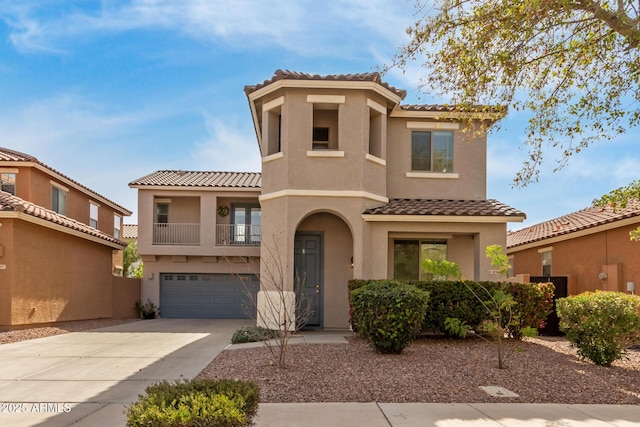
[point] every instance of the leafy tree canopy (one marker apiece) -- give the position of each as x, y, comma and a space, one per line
573, 64
620, 198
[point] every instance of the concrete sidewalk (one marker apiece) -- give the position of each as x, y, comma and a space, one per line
445, 415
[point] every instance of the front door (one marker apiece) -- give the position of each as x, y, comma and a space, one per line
308, 266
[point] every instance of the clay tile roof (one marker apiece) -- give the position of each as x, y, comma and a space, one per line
453, 108
173, 178
8, 155
129, 231
581, 220
488, 207
296, 75
9, 202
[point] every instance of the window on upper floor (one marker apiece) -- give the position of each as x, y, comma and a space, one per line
432, 151
325, 121
117, 224
320, 138
408, 256
93, 215
162, 213
8, 182
59, 200
246, 223
273, 128
375, 133
546, 257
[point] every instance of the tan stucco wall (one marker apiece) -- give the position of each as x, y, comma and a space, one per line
57, 277
466, 244
125, 293
7, 273
469, 162
586, 257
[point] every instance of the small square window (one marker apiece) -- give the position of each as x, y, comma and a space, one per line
58, 200
432, 151
320, 138
8, 183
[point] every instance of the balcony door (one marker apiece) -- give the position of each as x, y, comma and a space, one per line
246, 223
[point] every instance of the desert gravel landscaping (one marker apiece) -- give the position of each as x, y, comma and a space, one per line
17, 335
540, 370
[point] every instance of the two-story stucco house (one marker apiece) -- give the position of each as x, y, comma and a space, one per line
353, 185
60, 245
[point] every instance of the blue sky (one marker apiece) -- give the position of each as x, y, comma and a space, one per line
109, 91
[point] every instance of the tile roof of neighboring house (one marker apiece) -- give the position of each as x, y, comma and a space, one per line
9, 155
488, 207
581, 220
129, 231
11, 203
296, 75
173, 178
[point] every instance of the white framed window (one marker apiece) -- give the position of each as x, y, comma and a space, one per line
93, 215
59, 199
326, 112
117, 226
8, 182
432, 151
546, 260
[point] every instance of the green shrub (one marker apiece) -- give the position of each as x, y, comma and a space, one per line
455, 327
252, 334
389, 314
532, 304
203, 402
601, 324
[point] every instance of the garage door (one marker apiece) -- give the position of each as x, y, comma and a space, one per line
208, 296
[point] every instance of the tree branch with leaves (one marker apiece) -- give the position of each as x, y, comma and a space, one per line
573, 64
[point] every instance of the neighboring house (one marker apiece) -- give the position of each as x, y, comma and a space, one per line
590, 247
353, 185
130, 232
59, 245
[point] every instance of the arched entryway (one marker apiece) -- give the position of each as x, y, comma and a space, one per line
323, 253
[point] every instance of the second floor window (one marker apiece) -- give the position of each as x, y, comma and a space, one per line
93, 215
58, 200
116, 226
8, 182
246, 221
432, 151
162, 213
546, 263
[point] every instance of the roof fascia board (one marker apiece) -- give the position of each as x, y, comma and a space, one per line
89, 193
57, 227
323, 193
575, 234
440, 218
445, 115
326, 84
193, 188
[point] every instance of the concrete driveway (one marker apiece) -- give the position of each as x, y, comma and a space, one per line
86, 378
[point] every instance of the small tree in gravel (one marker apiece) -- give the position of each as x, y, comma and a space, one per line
284, 312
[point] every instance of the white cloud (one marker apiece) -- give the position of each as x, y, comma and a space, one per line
336, 28
228, 147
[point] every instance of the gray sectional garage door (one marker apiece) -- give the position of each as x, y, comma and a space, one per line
208, 296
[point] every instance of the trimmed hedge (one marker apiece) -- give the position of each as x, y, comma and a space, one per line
456, 300
601, 325
202, 402
388, 314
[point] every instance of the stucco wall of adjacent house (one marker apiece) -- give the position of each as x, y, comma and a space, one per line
57, 277
7, 272
586, 257
469, 162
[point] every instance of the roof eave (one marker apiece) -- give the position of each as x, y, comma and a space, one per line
442, 218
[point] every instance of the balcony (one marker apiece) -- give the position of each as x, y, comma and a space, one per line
176, 234
237, 235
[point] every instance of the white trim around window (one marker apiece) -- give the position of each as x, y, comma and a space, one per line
326, 99
432, 175
325, 153
433, 125
272, 157
374, 159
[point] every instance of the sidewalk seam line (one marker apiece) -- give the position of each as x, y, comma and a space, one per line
384, 415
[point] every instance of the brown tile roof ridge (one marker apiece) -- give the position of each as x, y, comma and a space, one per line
454, 108
445, 207
590, 217
11, 203
7, 154
181, 178
279, 74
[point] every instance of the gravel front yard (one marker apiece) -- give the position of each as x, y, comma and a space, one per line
540, 370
